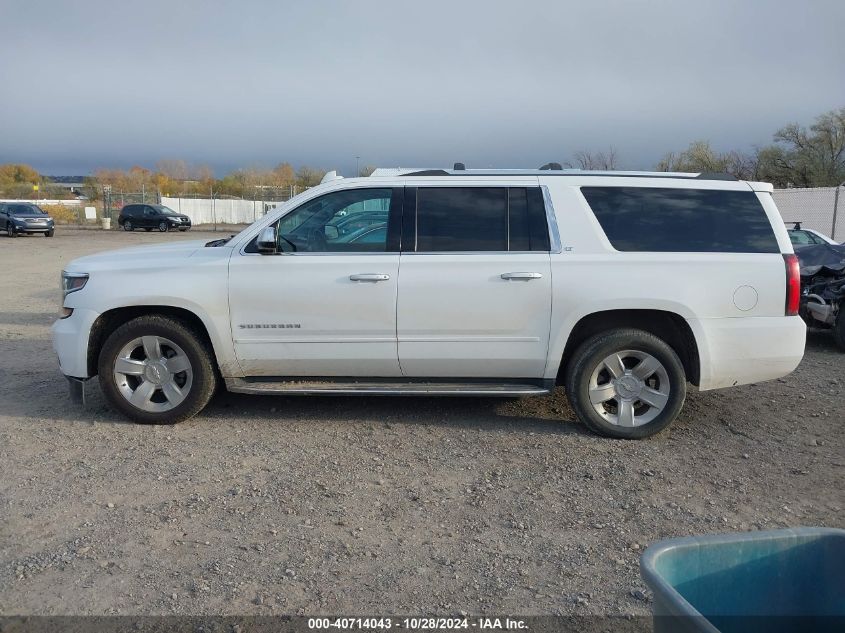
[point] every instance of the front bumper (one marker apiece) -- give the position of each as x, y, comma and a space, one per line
70, 341
33, 228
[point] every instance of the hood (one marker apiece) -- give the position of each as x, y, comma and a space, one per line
149, 255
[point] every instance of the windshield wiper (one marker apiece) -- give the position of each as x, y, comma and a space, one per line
219, 242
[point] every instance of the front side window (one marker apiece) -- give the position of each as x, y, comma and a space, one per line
657, 219
354, 220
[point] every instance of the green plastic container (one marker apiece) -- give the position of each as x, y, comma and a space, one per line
781, 581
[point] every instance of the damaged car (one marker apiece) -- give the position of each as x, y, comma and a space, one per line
823, 288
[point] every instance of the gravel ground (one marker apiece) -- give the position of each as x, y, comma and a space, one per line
269, 505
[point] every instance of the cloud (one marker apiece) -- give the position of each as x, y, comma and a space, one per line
95, 83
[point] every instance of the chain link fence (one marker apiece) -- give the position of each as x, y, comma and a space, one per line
212, 209
819, 208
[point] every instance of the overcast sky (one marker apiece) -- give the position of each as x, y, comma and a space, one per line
95, 83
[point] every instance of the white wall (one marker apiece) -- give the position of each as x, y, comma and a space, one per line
223, 211
67, 203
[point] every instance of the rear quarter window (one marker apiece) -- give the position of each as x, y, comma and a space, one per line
682, 220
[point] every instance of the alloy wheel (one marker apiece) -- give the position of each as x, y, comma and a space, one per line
629, 388
153, 373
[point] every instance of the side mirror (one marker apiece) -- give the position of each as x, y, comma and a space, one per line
266, 242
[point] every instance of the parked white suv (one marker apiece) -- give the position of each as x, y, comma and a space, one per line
621, 286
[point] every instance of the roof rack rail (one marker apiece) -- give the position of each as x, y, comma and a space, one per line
714, 175
459, 167
556, 166
428, 172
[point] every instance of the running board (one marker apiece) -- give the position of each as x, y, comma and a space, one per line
346, 386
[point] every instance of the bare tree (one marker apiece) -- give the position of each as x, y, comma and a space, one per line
603, 161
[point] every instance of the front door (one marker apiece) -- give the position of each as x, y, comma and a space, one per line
475, 283
150, 218
326, 304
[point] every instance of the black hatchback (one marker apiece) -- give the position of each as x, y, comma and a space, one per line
152, 216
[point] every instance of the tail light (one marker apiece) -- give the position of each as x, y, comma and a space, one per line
793, 284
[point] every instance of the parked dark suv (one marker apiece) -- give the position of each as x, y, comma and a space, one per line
152, 216
18, 218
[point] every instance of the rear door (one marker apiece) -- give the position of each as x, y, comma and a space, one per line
475, 281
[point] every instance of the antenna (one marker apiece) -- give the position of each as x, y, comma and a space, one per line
459, 167
556, 166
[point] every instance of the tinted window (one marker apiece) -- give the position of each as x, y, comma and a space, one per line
528, 228
344, 221
682, 220
462, 219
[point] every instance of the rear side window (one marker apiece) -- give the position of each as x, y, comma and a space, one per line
479, 219
682, 220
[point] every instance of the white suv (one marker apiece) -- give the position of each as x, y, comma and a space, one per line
621, 286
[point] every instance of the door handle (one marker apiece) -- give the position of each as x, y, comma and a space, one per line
369, 277
522, 276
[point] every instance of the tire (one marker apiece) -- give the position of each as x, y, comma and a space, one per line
127, 226
153, 385
622, 414
163, 227
839, 326
10, 230
50, 233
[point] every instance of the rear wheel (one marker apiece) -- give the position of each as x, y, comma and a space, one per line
626, 383
127, 226
156, 370
163, 227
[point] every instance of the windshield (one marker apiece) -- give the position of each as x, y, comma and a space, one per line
166, 211
25, 209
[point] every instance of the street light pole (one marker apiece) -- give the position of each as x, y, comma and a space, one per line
357, 168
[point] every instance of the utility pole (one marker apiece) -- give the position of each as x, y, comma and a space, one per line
835, 209
357, 168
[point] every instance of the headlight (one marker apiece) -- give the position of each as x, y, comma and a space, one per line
71, 282
176, 220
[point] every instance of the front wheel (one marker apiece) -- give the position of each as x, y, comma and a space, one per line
163, 227
156, 370
839, 327
49, 233
10, 229
626, 383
